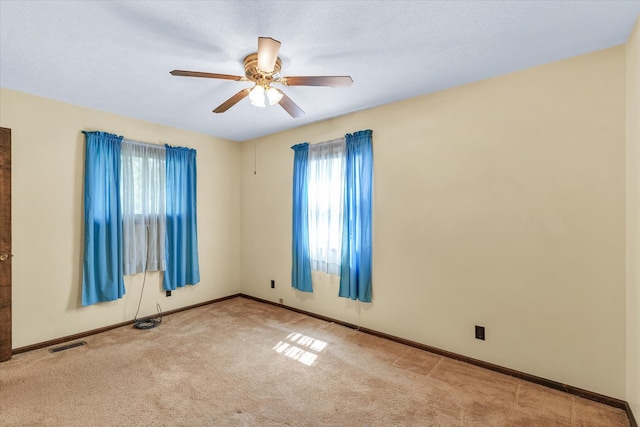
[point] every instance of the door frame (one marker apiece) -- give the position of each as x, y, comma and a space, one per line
5, 244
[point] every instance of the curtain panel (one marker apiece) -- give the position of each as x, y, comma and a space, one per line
300, 261
102, 264
182, 235
355, 275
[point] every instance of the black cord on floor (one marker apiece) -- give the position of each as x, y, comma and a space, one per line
149, 322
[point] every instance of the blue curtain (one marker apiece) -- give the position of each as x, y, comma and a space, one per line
102, 266
301, 263
182, 236
355, 274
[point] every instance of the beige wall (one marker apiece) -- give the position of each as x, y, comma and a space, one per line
47, 176
499, 203
633, 220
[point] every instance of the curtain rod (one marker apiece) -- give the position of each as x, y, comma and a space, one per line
331, 141
146, 144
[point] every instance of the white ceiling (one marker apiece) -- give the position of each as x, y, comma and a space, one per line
116, 56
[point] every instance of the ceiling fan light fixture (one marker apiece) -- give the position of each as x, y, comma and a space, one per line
274, 96
257, 96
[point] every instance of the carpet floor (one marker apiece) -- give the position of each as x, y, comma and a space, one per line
240, 362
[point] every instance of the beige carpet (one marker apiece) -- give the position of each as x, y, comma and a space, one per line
245, 363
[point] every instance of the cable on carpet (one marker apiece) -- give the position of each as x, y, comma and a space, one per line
149, 322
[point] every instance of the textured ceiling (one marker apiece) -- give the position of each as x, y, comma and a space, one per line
116, 56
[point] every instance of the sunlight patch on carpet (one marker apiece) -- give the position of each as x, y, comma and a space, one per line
291, 348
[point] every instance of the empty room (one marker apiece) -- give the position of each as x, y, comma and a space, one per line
332, 213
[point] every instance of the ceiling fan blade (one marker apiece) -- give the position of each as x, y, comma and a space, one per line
290, 106
331, 81
268, 49
232, 101
206, 75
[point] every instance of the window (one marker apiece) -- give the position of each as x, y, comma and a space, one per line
143, 189
143, 206
326, 178
332, 212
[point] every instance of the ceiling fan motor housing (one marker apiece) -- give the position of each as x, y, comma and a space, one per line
253, 73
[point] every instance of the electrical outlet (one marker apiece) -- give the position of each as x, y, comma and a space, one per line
168, 293
281, 301
273, 284
480, 332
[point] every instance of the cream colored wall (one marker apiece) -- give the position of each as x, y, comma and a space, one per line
47, 193
633, 219
499, 203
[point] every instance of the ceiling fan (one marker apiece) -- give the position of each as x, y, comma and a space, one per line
263, 68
